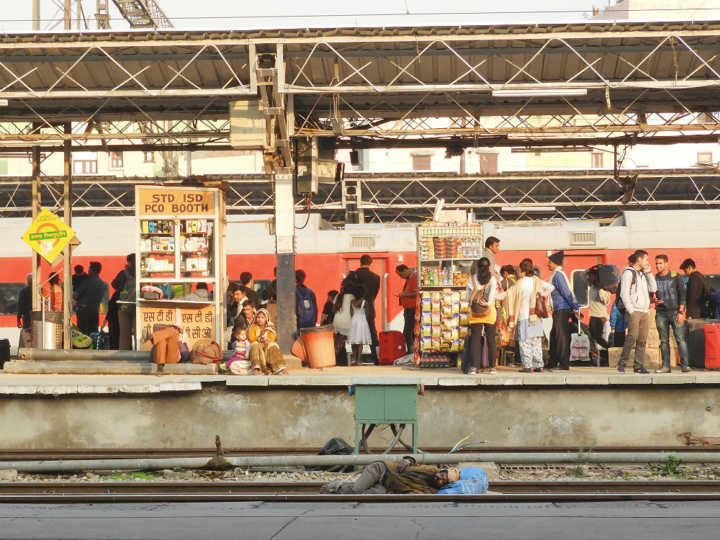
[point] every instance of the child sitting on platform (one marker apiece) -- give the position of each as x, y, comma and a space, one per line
239, 362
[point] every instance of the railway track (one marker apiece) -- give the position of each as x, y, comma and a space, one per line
226, 491
147, 453
225, 487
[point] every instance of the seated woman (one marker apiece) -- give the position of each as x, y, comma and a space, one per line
265, 355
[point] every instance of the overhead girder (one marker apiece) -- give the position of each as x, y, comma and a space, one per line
388, 198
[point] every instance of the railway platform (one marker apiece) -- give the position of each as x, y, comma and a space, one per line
586, 406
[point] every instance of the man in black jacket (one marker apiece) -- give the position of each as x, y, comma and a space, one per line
696, 289
670, 312
248, 284
371, 282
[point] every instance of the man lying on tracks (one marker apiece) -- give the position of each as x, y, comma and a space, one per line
401, 477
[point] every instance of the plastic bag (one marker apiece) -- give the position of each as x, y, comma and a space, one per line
579, 347
606, 331
473, 481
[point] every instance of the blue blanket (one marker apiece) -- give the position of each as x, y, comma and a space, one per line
473, 481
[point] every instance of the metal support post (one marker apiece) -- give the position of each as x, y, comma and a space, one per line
67, 12
36, 208
36, 15
67, 252
285, 252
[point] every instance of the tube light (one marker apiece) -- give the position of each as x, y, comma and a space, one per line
528, 208
545, 92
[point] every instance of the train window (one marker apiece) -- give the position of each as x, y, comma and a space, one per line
9, 293
580, 287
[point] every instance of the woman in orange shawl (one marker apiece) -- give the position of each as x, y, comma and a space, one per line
265, 355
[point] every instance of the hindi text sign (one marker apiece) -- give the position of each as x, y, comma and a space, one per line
48, 235
195, 322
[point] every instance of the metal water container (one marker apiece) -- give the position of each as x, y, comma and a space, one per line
47, 334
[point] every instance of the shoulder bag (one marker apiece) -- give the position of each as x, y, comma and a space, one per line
479, 299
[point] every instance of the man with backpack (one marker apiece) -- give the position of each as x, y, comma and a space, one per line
121, 308
670, 313
564, 306
636, 284
697, 290
306, 307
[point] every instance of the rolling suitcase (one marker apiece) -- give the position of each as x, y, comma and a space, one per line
696, 343
712, 346
392, 346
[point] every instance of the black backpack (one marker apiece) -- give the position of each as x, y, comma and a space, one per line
618, 301
335, 447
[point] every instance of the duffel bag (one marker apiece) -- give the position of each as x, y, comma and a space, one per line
206, 351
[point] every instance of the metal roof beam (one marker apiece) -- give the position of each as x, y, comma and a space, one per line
143, 13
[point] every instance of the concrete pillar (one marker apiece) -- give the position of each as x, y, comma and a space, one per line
67, 252
285, 252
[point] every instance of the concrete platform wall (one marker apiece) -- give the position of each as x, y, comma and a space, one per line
305, 417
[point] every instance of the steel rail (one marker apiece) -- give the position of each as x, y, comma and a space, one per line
141, 453
224, 487
357, 499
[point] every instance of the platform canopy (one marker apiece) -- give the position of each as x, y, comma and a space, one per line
524, 85
592, 78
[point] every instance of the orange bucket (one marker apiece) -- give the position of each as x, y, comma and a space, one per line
319, 344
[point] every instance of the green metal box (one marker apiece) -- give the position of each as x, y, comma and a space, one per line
386, 404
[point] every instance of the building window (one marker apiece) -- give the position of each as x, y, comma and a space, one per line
149, 157
421, 163
85, 166
704, 158
597, 160
116, 160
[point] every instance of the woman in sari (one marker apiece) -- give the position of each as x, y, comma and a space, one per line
265, 355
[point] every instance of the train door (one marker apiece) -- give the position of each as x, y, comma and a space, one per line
575, 267
379, 266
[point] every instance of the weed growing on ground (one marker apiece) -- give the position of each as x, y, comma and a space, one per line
670, 468
577, 472
133, 476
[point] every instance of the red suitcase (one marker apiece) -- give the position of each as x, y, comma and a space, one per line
712, 346
392, 347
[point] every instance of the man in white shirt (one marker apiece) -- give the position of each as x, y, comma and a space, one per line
636, 284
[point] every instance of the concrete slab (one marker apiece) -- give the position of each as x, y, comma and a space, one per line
672, 378
247, 380
465, 380
707, 377
311, 380
543, 379
589, 379
501, 380
384, 380
630, 379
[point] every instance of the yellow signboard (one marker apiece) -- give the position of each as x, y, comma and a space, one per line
195, 322
153, 201
48, 235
